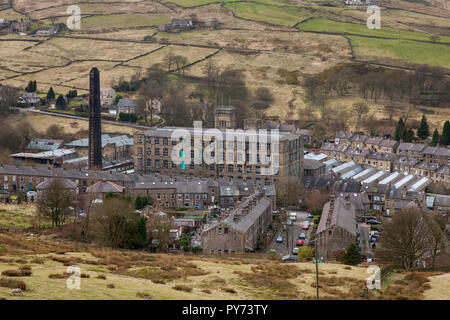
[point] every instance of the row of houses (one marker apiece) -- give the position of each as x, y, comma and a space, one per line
407, 158
165, 191
239, 230
380, 145
384, 197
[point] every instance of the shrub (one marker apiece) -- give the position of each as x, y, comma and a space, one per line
181, 287
17, 273
207, 291
37, 261
57, 276
143, 295
13, 284
101, 277
110, 286
229, 290
160, 281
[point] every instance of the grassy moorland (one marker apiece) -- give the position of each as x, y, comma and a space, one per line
115, 36
120, 274
283, 16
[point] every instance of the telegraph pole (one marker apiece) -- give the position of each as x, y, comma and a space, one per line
317, 269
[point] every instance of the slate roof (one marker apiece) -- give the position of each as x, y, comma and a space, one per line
45, 144
411, 147
105, 187
68, 184
385, 156
168, 131
119, 141
248, 220
388, 143
311, 164
127, 103
341, 216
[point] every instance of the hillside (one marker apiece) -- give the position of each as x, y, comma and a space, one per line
117, 274
262, 38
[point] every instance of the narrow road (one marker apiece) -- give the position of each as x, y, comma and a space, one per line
130, 125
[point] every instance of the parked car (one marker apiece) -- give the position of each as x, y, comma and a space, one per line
299, 242
305, 226
289, 222
373, 239
373, 221
279, 239
295, 251
310, 216
302, 235
293, 216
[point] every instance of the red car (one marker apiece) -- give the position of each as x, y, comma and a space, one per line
299, 242
305, 227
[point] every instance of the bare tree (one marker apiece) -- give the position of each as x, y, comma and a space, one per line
110, 220
289, 191
405, 239
159, 231
436, 236
54, 201
169, 60
360, 108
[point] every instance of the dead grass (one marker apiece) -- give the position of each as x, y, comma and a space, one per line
181, 287
142, 295
13, 284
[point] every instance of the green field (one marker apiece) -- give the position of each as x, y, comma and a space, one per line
196, 3
124, 21
326, 25
282, 16
382, 50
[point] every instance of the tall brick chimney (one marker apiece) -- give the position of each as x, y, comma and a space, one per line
95, 121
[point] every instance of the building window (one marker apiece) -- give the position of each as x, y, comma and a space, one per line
156, 140
165, 141
157, 152
225, 230
165, 152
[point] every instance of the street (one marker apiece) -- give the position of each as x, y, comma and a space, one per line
295, 229
364, 230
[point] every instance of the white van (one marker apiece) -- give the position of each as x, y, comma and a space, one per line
293, 216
